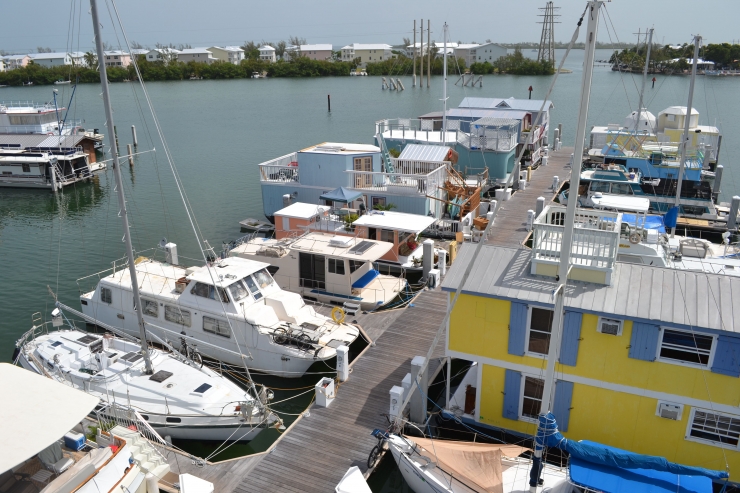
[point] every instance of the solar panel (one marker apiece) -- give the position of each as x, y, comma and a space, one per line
87, 339
161, 376
202, 388
361, 247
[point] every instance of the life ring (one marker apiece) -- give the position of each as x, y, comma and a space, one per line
635, 238
337, 314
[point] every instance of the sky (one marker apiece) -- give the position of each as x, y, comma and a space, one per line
32, 23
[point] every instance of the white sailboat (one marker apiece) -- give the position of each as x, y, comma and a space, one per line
189, 402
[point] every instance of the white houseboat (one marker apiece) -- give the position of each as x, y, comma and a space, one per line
48, 168
232, 307
28, 117
327, 267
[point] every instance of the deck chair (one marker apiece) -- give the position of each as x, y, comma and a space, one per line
691, 247
54, 460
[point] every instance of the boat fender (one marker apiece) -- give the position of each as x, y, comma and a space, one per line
338, 315
635, 238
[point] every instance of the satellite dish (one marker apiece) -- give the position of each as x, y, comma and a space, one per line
163, 242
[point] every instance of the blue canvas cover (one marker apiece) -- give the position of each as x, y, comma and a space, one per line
647, 222
341, 194
366, 279
614, 479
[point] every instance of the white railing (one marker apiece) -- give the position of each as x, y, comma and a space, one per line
416, 167
488, 139
595, 237
282, 169
409, 184
415, 129
28, 104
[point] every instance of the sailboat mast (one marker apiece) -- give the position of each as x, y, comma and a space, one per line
687, 122
644, 79
119, 184
444, 90
567, 239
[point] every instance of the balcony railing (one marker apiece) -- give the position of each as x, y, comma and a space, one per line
400, 183
416, 129
488, 139
595, 237
280, 170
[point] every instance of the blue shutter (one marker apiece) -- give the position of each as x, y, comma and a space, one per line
517, 328
727, 356
512, 390
561, 407
571, 336
644, 343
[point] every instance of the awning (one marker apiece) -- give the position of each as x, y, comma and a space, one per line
341, 194
36, 412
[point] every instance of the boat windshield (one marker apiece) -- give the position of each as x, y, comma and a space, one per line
263, 278
238, 291
253, 287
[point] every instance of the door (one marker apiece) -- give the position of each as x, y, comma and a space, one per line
312, 269
363, 164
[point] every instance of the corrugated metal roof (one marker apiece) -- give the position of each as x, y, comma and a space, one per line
654, 294
496, 122
424, 152
41, 140
476, 113
513, 103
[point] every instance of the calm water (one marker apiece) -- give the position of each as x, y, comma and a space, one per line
218, 131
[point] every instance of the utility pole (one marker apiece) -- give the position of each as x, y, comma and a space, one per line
421, 54
429, 51
547, 39
413, 48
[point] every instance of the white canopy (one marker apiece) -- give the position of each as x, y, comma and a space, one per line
399, 221
36, 412
623, 203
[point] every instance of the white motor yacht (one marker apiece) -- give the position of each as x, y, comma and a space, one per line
178, 399
231, 308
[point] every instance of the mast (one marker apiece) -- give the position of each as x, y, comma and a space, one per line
414, 50
444, 90
119, 185
421, 53
429, 51
565, 245
644, 78
685, 139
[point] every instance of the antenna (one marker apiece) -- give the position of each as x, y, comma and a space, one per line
547, 40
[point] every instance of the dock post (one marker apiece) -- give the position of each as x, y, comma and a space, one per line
130, 155
555, 183
560, 131
539, 207
732, 217
418, 402
406, 384
428, 257
343, 363
717, 181
395, 410
442, 264
133, 134
328, 101
530, 220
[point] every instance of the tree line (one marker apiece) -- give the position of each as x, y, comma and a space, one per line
724, 56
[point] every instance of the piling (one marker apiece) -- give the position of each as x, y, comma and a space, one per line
328, 101
428, 257
539, 207
717, 182
133, 134
442, 264
399, 85
418, 403
732, 217
130, 155
560, 131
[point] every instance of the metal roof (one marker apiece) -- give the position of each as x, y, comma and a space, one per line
424, 152
638, 292
496, 122
41, 140
476, 113
501, 103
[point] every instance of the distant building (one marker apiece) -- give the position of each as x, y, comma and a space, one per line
77, 58
467, 52
164, 55
136, 52
51, 59
267, 54
13, 62
316, 52
366, 53
2, 65
230, 54
200, 55
488, 52
117, 59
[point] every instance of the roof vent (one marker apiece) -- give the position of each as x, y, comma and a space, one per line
341, 241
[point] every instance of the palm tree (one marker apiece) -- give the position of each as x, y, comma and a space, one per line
90, 60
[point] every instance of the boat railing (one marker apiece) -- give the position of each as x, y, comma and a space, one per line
282, 169
416, 167
488, 139
405, 184
429, 130
595, 237
28, 104
38, 329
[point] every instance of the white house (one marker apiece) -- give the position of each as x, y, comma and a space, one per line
230, 54
488, 52
77, 58
137, 52
51, 59
13, 62
366, 53
164, 55
316, 52
267, 53
2, 65
200, 55
117, 58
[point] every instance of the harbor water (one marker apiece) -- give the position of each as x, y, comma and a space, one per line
219, 131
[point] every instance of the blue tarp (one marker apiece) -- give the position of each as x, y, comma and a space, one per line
366, 279
613, 479
618, 460
341, 194
647, 222
671, 217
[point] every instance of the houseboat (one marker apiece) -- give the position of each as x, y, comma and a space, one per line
47, 168
327, 267
231, 308
28, 117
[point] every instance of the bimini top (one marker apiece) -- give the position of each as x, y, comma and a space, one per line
341, 148
36, 412
398, 221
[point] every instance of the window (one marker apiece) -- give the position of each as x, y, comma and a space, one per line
387, 235
378, 201
106, 296
599, 186
532, 397
355, 264
715, 428
151, 308
177, 316
207, 291
238, 291
685, 347
263, 278
621, 188
336, 266
26, 167
253, 287
216, 326
540, 327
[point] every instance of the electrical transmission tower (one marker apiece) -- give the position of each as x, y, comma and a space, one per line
547, 40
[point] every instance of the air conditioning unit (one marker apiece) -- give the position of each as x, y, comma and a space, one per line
669, 410
610, 326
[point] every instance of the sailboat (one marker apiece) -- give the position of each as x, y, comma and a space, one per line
176, 396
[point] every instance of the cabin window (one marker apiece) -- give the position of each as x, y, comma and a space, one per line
685, 347
355, 264
263, 278
372, 233
717, 429
272, 269
238, 291
26, 167
177, 316
151, 308
532, 397
378, 201
207, 291
540, 327
253, 287
387, 235
216, 326
621, 188
336, 266
106, 295
599, 186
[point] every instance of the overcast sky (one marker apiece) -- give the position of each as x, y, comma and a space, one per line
28, 24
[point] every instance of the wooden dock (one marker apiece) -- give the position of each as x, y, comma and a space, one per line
510, 226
